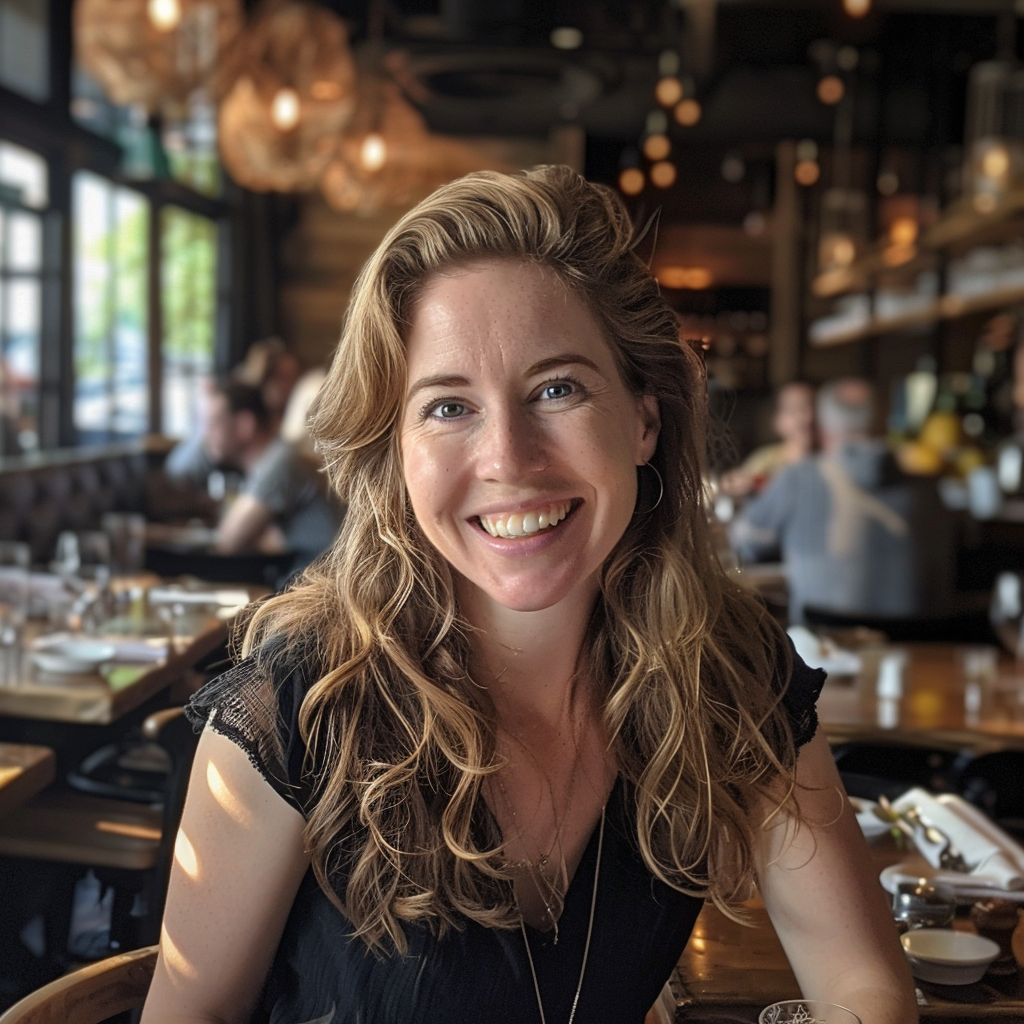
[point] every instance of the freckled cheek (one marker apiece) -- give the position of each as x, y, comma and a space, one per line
429, 485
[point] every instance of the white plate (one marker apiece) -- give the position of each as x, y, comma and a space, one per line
948, 957
967, 887
73, 656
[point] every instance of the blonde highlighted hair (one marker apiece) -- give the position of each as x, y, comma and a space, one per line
399, 738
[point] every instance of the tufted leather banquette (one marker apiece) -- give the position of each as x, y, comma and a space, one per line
70, 489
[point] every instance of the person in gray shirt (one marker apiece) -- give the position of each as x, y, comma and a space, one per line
857, 534
283, 503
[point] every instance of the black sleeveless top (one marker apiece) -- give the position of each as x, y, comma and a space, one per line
472, 975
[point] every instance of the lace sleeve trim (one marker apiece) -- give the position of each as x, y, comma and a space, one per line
245, 706
800, 700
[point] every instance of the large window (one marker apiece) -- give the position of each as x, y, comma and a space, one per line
110, 310
107, 327
23, 197
24, 47
189, 307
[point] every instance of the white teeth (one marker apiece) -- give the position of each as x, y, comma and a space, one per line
517, 524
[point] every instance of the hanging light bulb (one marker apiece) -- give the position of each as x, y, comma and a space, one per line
688, 112
373, 153
830, 90
663, 174
669, 91
156, 53
285, 109
657, 147
631, 181
856, 8
164, 14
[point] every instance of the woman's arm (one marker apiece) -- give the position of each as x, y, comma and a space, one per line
825, 901
238, 862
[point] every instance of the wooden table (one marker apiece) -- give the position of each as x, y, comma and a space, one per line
941, 705
95, 699
24, 771
729, 972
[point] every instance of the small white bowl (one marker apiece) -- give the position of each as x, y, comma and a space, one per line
948, 957
73, 656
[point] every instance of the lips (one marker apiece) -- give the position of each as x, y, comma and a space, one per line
510, 525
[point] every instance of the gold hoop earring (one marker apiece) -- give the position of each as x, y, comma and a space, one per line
640, 489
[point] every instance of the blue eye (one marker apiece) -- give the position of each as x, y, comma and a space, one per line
562, 388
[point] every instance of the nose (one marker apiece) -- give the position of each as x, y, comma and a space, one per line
511, 445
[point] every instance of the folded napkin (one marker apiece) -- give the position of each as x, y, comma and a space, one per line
989, 852
820, 652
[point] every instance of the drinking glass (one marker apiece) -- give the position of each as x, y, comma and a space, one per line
82, 560
807, 1011
94, 558
920, 905
14, 601
1006, 611
126, 532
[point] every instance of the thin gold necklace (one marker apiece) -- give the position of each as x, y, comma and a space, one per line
586, 947
551, 890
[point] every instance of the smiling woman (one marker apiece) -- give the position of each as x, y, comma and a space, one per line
489, 755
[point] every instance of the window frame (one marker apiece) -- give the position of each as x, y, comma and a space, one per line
48, 129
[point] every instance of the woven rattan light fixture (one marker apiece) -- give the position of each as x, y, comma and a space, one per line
380, 160
154, 53
292, 94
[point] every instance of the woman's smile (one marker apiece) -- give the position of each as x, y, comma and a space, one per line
528, 522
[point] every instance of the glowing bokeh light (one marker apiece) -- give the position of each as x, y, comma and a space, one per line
663, 174
631, 181
164, 15
657, 147
688, 112
668, 91
285, 109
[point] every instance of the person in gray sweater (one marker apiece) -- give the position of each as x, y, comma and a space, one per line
857, 534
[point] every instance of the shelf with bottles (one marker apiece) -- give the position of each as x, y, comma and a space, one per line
854, 322
974, 251
968, 223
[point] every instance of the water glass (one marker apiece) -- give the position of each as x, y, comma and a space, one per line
83, 554
126, 532
918, 904
1006, 611
172, 615
807, 1011
15, 558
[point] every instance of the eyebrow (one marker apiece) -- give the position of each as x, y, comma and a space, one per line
448, 380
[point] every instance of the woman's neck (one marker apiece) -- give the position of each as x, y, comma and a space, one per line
528, 662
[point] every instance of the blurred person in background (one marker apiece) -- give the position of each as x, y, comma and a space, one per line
268, 366
793, 423
295, 421
857, 534
283, 504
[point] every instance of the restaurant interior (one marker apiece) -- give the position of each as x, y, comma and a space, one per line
833, 191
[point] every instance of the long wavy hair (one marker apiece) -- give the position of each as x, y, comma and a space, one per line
399, 738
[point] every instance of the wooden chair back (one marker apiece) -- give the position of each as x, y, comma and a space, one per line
91, 994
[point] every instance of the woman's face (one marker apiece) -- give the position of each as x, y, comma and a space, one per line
520, 441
